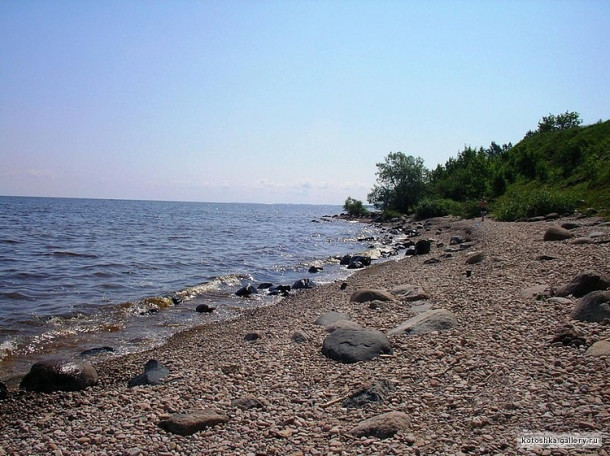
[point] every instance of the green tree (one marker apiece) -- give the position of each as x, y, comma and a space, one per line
354, 207
401, 182
563, 121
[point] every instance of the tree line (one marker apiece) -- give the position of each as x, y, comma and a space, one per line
558, 165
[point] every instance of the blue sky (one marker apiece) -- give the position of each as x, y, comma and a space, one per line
278, 101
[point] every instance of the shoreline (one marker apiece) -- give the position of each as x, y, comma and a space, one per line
142, 319
471, 389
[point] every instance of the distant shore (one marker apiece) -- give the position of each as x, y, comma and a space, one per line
471, 389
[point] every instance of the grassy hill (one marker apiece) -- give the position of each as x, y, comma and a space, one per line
560, 167
556, 170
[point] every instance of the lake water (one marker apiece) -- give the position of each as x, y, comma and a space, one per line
83, 273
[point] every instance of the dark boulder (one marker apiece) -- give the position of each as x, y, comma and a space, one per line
246, 291
283, 290
303, 284
411, 251
583, 284
3, 391
314, 269
456, 240
205, 308
353, 345
422, 247
593, 307
355, 264
252, 336
353, 260
153, 373
58, 375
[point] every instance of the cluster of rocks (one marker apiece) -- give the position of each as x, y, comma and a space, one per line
405, 357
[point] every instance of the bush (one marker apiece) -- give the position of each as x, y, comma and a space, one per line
527, 203
440, 207
355, 207
389, 214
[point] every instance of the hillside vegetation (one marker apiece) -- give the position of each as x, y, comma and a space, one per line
560, 167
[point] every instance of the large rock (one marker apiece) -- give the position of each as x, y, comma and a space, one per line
300, 337
247, 291
583, 284
410, 293
367, 294
537, 292
593, 307
422, 247
331, 317
348, 260
205, 308
599, 348
303, 284
59, 375
475, 258
153, 373
556, 233
189, 423
381, 426
353, 345
342, 324
431, 320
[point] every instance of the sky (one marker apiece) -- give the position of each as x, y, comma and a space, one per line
287, 101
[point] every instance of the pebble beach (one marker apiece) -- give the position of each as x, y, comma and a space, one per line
475, 388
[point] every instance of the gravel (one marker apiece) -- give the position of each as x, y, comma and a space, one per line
471, 389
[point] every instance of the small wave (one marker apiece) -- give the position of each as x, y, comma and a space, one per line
232, 280
149, 305
16, 296
7, 348
9, 241
63, 253
112, 286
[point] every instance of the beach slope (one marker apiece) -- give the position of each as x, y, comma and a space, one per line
508, 360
